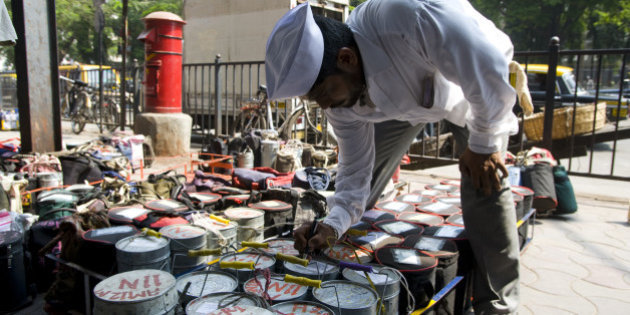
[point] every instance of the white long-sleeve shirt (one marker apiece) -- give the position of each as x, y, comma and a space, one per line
404, 44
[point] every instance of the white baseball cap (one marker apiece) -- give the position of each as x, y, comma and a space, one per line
295, 50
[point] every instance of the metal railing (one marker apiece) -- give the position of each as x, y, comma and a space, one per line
599, 77
110, 88
213, 93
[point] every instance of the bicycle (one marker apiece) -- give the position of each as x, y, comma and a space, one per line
255, 114
78, 105
307, 124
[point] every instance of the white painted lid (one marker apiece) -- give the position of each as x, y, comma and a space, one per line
134, 286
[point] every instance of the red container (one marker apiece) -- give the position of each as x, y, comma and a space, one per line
163, 39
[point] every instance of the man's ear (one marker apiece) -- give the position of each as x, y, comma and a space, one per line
347, 59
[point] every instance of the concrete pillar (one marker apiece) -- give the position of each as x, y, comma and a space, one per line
170, 133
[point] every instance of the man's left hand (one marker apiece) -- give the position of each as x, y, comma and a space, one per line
483, 170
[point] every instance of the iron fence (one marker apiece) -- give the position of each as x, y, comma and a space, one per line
111, 88
213, 94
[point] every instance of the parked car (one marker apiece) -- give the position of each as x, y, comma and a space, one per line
625, 92
566, 91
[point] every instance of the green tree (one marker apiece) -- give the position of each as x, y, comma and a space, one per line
136, 11
77, 38
531, 24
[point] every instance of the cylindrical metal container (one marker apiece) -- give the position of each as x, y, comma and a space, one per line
362, 226
302, 308
185, 237
244, 310
345, 297
278, 216
230, 201
260, 262
251, 223
203, 283
438, 208
204, 200
386, 281
374, 215
13, 292
456, 219
49, 179
419, 269
126, 215
430, 193
374, 240
170, 205
143, 252
395, 206
458, 235
457, 193
452, 182
214, 301
268, 150
455, 201
524, 198
398, 227
245, 159
413, 199
442, 187
283, 246
98, 251
314, 270
447, 255
278, 290
221, 235
349, 254
136, 292
426, 219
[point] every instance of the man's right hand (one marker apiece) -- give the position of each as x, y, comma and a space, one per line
316, 241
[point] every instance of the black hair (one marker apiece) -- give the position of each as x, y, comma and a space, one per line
336, 36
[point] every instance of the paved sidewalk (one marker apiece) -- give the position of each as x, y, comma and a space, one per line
575, 264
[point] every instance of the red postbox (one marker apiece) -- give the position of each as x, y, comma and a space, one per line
163, 37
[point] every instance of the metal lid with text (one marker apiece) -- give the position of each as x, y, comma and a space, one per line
301, 308
281, 245
242, 310
134, 286
211, 302
206, 282
346, 295
349, 254
277, 289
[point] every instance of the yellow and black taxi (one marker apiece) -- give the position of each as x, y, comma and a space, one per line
568, 91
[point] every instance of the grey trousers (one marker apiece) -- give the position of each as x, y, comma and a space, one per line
490, 222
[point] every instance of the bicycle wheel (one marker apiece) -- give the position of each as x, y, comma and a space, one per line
111, 115
81, 115
247, 121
